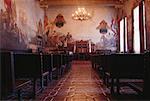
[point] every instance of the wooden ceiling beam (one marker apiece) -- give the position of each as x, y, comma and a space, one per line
81, 2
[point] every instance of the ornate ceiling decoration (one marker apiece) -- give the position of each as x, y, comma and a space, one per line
81, 2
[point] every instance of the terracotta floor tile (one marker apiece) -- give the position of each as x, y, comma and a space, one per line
80, 84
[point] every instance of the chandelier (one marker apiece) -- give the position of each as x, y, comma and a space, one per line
81, 14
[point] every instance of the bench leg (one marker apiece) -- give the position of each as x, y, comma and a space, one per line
19, 95
42, 83
112, 86
34, 88
46, 80
118, 86
50, 76
107, 81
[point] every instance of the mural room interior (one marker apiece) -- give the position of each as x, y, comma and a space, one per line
103, 40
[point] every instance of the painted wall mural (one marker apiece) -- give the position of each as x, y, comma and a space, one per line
102, 27
108, 37
19, 23
59, 40
86, 30
33, 29
59, 21
53, 38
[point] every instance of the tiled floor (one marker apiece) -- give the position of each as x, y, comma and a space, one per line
80, 84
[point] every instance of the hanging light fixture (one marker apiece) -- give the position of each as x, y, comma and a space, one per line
81, 14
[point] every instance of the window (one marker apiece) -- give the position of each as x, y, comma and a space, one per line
123, 35
136, 29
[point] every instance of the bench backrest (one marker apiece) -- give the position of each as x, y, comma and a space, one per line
130, 65
7, 74
27, 65
56, 60
47, 62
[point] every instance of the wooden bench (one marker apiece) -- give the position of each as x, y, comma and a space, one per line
147, 76
94, 60
29, 65
100, 64
9, 83
56, 65
47, 65
125, 66
66, 62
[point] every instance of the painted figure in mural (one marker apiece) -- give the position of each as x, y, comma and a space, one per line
39, 36
21, 38
54, 33
22, 17
52, 39
6, 21
114, 25
65, 42
69, 37
46, 29
49, 29
1, 20
45, 21
40, 28
58, 40
15, 30
51, 25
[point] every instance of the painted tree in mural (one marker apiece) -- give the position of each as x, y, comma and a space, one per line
10, 7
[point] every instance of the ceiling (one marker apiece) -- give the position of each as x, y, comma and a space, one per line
49, 3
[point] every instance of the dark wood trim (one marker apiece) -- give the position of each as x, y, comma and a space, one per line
141, 27
119, 35
127, 35
132, 45
124, 36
